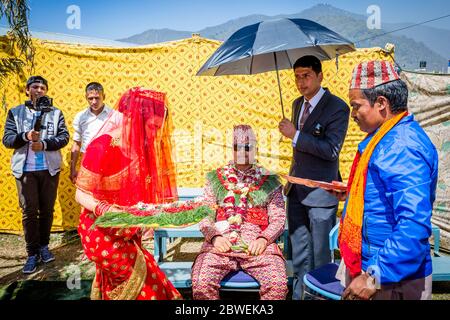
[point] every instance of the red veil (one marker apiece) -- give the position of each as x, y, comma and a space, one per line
130, 159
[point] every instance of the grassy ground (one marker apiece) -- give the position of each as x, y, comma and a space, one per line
66, 247
70, 259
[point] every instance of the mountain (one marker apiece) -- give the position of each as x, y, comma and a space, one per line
435, 38
419, 43
156, 36
409, 50
225, 30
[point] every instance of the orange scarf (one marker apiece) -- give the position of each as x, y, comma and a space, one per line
350, 229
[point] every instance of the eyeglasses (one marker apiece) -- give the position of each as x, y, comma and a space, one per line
246, 147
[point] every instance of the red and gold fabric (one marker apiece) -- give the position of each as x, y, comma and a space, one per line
210, 269
124, 270
121, 167
256, 216
265, 220
129, 161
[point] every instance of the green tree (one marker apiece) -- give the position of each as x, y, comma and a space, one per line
18, 47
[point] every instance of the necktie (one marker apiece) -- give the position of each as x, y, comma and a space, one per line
305, 114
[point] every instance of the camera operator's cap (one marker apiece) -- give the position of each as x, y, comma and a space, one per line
38, 79
370, 74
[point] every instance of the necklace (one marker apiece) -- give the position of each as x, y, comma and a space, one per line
252, 180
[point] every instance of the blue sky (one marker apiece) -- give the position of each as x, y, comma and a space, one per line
113, 19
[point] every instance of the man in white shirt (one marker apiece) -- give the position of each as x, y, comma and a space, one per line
87, 123
318, 127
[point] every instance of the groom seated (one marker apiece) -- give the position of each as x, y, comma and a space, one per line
250, 216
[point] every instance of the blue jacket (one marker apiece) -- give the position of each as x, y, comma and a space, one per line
398, 201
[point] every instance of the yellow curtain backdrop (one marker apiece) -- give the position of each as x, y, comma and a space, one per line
203, 109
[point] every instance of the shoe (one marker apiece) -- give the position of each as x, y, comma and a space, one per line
31, 264
46, 255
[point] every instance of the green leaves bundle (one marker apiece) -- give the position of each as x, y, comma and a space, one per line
174, 215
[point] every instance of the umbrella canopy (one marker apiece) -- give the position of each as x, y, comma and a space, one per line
274, 44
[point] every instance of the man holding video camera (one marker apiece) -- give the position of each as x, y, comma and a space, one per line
36, 131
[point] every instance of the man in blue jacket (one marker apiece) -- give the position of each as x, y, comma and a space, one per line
386, 223
36, 163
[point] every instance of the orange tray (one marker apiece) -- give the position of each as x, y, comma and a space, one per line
334, 185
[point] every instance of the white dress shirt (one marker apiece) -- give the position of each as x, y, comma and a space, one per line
87, 125
313, 102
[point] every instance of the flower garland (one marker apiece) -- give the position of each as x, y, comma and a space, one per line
148, 209
235, 213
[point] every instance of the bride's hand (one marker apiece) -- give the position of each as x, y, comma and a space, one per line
116, 208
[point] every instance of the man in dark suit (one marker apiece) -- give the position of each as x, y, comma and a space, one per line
317, 129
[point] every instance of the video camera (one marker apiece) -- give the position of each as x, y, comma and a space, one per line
43, 104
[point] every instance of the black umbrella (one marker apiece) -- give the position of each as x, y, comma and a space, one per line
274, 45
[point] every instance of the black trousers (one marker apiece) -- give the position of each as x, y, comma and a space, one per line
37, 195
308, 231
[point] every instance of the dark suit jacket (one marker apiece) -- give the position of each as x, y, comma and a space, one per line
316, 154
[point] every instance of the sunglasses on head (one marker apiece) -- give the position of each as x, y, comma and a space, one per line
246, 147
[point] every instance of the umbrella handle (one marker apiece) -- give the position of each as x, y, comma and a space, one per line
279, 85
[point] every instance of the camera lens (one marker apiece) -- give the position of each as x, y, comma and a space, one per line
44, 101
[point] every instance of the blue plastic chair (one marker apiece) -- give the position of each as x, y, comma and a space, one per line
441, 263
239, 281
321, 282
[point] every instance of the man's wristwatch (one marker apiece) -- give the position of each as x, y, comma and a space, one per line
372, 282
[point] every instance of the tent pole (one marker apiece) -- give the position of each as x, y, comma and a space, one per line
279, 85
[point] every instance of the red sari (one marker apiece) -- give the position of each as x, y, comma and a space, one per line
129, 161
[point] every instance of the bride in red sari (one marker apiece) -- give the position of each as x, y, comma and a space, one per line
129, 161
